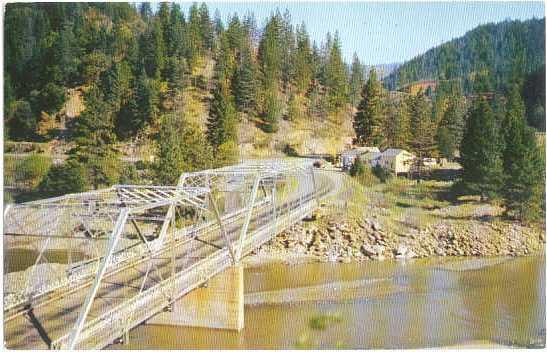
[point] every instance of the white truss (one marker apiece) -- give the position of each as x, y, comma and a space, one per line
126, 224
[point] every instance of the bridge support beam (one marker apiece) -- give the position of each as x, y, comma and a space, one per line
218, 305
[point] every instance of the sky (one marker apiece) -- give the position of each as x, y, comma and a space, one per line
384, 32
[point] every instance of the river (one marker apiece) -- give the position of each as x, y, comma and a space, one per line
393, 304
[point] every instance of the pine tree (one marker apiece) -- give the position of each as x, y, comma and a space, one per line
303, 69
94, 137
524, 171
176, 40
152, 49
422, 126
217, 24
481, 151
145, 10
272, 110
450, 129
164, 17
397, 124
244, 82
206, 27
67, 53
148, 100
270, 52
369, 119
336, 76
116, 85
222, 122
22, 121
287, 45
175, 69
182, 147
356, 80
194, 35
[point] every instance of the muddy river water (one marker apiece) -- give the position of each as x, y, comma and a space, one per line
392, 304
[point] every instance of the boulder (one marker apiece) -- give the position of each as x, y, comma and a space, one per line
375, 225
368, 250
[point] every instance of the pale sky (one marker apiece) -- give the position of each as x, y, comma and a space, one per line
384, 32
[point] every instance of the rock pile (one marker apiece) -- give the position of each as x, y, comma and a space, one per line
367, 239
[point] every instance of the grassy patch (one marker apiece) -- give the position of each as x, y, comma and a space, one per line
323, 321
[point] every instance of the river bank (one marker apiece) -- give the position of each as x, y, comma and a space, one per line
402, 220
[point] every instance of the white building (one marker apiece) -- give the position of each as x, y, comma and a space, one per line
348, 157
396, 160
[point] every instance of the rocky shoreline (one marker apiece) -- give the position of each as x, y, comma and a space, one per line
345, 241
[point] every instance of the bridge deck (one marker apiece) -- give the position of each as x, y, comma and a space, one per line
112, 313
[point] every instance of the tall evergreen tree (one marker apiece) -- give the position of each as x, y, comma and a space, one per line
176, 40
244, 82
152, 48
336, 75
450, 128
397, 124
524, 169
481, 151
270, 52
303, 69
356, 80
206, 27
145, 10
222, 121
287, 45
422, 126
272, 109
22, 121
116, 85
67, 53
94, 137
369, 119
164, 18
182, 147
145, 105
194, 35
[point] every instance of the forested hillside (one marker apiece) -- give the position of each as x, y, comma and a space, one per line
486, 58
489, 58
183, 84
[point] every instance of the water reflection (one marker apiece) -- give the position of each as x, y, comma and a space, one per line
19, 259
423, 303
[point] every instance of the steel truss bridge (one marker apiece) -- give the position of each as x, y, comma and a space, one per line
106, 261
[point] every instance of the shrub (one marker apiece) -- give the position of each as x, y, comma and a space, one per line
357, 168
21, 121
382, 173
363, 173
129, 174
322, 321
32, 169
69, 177
289, 150
227, 154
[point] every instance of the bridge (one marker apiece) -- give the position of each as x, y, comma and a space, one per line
106, 261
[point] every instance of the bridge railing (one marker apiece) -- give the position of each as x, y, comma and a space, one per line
144, 236
115, 323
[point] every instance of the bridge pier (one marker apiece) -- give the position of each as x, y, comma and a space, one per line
218, 305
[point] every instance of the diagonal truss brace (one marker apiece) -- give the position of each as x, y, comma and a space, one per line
222, 228
120, 223
250, 207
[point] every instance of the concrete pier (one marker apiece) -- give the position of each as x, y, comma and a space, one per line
218, 305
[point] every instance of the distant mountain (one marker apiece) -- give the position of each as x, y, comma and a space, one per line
383, 70
486, 58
